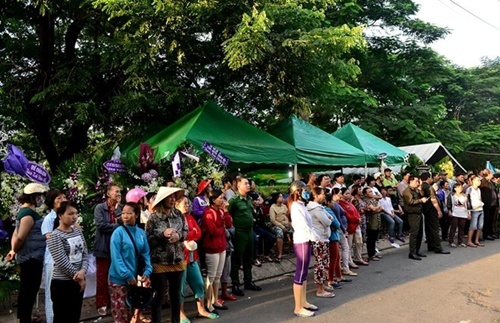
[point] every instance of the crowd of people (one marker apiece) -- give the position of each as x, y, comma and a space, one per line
164, 241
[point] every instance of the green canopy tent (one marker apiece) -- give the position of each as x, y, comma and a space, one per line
241, 142
315, 146
375, 149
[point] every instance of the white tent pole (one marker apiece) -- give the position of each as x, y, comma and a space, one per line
296, 173
366, 169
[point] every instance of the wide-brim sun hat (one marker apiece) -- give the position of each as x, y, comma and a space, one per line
34, 188
165, 192
203, 185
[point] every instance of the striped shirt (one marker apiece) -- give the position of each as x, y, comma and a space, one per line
69, 251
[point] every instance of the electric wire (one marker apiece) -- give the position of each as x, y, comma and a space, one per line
474, 15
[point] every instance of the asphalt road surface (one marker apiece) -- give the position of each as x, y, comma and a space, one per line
461, 287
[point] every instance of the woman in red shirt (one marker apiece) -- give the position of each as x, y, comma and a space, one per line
192, 274
214, 243
353, 227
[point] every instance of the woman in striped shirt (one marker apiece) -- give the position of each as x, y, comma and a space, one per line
69, 251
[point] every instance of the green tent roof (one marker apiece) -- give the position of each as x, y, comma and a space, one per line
236, 139
315, 146
372, 145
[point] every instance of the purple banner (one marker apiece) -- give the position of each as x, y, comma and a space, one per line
37, 173
115, 166
215, 153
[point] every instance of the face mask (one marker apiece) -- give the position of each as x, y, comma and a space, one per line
305, 195
40, 201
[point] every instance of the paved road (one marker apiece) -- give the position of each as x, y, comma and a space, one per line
461, 287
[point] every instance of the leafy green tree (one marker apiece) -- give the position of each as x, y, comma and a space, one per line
398, 95
476, 105
73, 68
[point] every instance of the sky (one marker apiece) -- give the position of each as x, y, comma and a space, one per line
469, 38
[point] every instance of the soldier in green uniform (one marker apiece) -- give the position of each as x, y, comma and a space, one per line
432, 213
413, 201
240, 208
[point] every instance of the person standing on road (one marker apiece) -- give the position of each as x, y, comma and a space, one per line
28, 248
489, 198
240, 208
457, 208
128, 243
432, 212
214, 243
321, 221
166, 230
106, 217
303, 235
53, 200
69, 251
477, 215
413, 201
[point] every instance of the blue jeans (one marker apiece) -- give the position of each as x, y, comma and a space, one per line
476, 221
391, 222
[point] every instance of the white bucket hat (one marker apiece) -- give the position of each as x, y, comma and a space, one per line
33, 188
164, 192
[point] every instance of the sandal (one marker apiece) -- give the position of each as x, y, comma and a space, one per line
471, 245
278, 259
328, 288
453, 245
306, 313
325, 294
479, 244
267, 258
463, 245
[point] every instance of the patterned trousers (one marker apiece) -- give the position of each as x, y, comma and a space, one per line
321, 252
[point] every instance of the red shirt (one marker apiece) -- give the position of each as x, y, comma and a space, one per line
214, 235
352, 215
194, 233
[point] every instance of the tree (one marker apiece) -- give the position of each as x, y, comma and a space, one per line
113, 66
399, 93
55, 86
475, 104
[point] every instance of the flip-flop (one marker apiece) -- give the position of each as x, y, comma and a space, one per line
311, 307
310, 314
211, 315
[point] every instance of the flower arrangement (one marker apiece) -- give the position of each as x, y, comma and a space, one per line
75, 189
194, 171
11, 187
9, 278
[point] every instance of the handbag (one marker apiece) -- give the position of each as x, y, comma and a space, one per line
139, 296
141, 263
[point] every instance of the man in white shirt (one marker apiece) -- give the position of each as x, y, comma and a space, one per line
390, 217
339, 180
